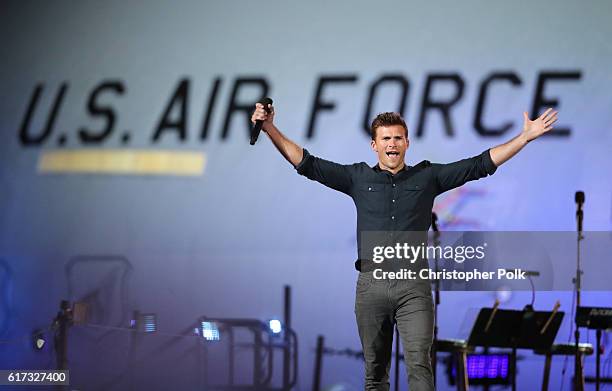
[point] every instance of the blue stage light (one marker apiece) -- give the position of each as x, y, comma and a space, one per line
491, 368
275, 325
210, 331
488, 366
149, 323
144, 322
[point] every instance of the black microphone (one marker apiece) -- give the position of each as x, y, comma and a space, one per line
257, 127
434, 221
579, 198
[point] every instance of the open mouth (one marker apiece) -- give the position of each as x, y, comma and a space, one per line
393, 154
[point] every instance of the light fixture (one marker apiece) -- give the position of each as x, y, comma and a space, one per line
486, 368
275, 326
210, 331
38, 340
149, 323
144, 322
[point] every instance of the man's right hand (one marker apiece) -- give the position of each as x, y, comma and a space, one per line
290, 150
261, 114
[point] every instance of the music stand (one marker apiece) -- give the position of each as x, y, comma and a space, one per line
515, 329
599, 319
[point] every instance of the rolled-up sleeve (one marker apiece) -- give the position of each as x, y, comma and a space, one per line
451, 175
333, 175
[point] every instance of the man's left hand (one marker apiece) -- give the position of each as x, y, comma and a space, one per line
539, 126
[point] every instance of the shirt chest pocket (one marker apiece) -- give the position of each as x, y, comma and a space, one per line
413, 196
371, 198
413, 187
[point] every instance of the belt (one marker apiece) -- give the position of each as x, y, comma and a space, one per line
365, 265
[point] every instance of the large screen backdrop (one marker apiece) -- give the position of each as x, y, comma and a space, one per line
220, 232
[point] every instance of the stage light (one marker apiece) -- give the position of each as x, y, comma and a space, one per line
488, 366
144, 322
38, 339
275, 326
210, 331
486, 369
503, 294
149, 323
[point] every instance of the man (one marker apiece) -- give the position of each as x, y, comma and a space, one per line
391, 196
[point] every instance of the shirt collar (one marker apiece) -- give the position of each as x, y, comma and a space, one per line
378, 169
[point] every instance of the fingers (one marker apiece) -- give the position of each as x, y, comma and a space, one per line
550, 118
551, 121
260, 106
260, 114
549, 115
545, 113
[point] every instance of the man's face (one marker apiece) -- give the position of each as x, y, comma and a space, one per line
390, 144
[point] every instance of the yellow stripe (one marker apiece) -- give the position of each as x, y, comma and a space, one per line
122, 162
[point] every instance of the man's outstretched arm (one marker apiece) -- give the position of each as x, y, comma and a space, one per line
330, 174
290, 150
531, 131
451, 175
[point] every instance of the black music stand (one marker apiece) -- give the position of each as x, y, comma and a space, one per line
599, 319
515, 329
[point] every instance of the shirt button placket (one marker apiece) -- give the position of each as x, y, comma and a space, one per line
393, 201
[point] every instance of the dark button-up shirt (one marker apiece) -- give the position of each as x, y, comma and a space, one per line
400, 202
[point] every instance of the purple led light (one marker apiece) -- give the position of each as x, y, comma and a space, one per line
492, 366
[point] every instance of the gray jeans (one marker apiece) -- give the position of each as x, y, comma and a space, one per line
379, 304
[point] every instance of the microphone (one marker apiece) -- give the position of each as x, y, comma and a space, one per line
579, 199
257, 127
434, 221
